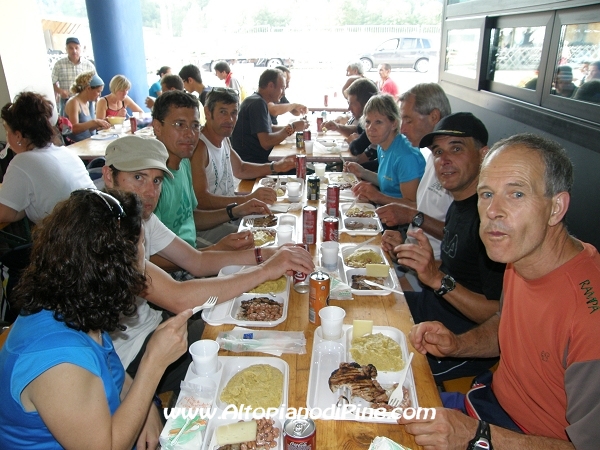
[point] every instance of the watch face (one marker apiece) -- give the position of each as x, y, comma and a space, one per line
448, 282
418, 220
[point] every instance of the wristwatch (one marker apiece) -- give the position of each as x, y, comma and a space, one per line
229, 209
417, 221
448, 284
273, 172
482, 439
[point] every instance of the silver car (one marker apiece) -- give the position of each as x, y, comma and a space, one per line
400, 52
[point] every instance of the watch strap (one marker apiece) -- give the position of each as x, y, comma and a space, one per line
482, 439
229, 209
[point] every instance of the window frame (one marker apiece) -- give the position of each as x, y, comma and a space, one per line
577, 108
463, 24
514, 21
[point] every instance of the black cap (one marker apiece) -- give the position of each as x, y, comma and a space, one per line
461, 124
72, 40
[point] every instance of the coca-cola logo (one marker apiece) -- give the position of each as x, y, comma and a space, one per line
299, 445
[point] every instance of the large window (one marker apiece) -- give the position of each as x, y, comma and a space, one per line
548, 58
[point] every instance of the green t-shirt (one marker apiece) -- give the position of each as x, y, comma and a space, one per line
177, 203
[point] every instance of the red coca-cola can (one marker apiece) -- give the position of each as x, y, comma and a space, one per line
326, 100
333, 199
307, 135
331, 226
133, 122
301, 166
319, 124
309, 225
299, 434
301, 278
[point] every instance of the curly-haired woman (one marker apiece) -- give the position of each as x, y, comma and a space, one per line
87, 88
41, 174
62, 384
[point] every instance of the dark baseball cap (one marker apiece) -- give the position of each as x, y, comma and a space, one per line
463, 124
72, 40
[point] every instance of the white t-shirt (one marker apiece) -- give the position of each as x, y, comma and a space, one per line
129, 342
37, 180
219, 174
432, 199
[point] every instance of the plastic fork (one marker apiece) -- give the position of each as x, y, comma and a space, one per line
209, 303
398, 394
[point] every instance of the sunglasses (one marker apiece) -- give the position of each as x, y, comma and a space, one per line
112, 203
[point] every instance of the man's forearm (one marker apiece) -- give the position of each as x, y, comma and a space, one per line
481, 341
210, 202
277, 109
503, 439
205, 220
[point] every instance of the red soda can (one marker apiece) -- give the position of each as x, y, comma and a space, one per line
307, 135
301, 278
319, 124
333, 200
309, 225
299, 434
318, 297
133, 122
326, 100
301, 166
330, 229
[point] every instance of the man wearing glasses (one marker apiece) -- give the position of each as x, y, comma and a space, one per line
137, 165
215, 164
176, 124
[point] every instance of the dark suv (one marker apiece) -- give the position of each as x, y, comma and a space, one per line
401, 52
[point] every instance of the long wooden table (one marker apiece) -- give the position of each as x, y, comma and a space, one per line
389, 310
282, 150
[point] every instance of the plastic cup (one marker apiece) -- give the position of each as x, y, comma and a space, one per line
308, 147
332, 319
205, 356
118, 127
320, 169
284, 234
293, 189
329, 254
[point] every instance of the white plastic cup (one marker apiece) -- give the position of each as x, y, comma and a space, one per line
332, 319
284, 234
205, 356
293, 189
320, 169
308, 147
118, 127
329, 254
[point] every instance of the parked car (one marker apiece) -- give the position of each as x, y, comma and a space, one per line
401, 52
258, 62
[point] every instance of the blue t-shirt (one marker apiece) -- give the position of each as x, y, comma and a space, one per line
400, 163
155, 89
35, 344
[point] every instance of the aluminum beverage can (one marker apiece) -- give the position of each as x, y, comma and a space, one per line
133, 122
319, 124
300, 140
301, 278
333, 200
299, 434
307, 135
301, 166
312, 191
326, 100
318, 296
309, 225
331, 226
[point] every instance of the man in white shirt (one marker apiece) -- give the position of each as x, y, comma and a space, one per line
66, 70
215, 164
138, 165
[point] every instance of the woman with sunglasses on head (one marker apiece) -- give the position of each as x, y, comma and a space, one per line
62, 384
41, 174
